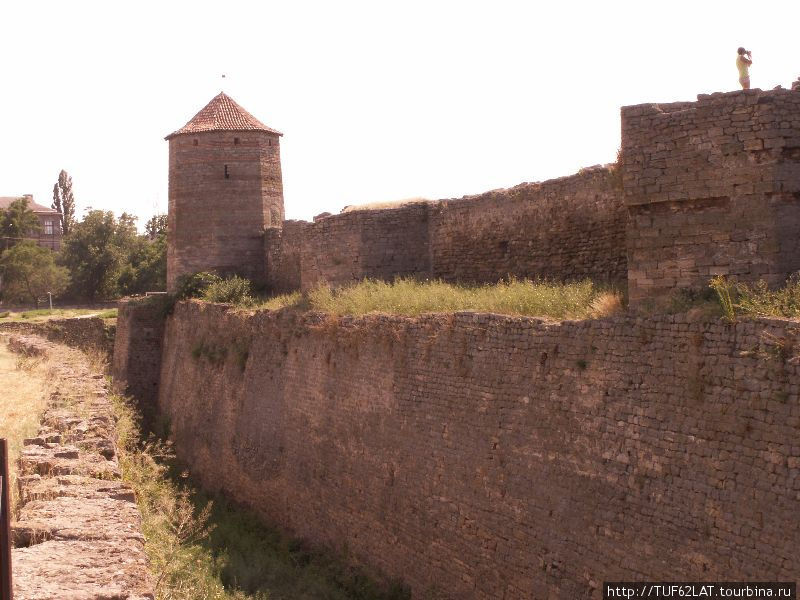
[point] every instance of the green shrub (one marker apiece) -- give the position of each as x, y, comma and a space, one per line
233, 290
4, 314
195, 285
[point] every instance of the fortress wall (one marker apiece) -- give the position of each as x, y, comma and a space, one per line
490, 456
564, 229
713, 187
379, 244
136, 364
283, 248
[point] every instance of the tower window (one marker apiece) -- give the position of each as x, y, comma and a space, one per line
227, 175
235, 140
269, 142
194, 142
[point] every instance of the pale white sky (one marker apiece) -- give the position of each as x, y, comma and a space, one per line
377, 100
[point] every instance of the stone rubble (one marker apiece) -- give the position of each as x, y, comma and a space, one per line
78, 535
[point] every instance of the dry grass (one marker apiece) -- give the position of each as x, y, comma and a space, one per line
410, 297
758, 299
384, 205
23, 399
606, 304
45, 314
284, 300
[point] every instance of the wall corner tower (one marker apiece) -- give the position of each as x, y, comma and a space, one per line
225, 189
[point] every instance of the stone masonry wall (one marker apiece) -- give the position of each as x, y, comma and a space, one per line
380, 244
703, 188
565, 229
283, 247
713, 187
496, 457
136, 364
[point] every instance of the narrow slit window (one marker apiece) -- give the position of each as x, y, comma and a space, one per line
194, 142
227, 175
235, 140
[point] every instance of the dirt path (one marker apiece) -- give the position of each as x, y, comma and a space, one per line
78, 536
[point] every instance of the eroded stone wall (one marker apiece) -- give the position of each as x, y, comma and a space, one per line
565, 229
283, 248
136, 363
496, 457
380, 244
713, 187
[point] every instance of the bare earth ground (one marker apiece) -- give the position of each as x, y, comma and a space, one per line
78, 534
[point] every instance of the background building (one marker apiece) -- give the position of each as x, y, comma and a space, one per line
50, 234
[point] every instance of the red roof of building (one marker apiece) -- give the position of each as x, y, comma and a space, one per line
5, 202
222, 114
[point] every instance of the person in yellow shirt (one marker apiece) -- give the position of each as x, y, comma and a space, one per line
743, 62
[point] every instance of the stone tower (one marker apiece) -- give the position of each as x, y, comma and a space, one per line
712, 188
225, 188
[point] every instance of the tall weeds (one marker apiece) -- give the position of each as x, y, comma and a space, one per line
411, 297
758, 299
724, 293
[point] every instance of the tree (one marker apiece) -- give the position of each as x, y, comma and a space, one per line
145, 269
93, 255
107, 257
29, 272
18, 221
64, 201
156, 226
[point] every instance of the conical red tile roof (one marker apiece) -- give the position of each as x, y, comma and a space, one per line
222, 114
